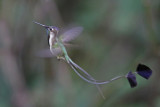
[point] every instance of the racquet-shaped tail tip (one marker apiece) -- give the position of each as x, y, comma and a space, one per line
132, 79
144, 71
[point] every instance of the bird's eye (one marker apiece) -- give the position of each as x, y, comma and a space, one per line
50, 29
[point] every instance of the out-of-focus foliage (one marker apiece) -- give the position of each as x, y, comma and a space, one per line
118, 34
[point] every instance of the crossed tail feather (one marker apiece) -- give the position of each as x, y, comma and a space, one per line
88, 76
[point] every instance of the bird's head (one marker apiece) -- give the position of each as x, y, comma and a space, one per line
50, 29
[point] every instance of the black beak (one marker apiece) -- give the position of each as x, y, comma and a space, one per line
41, 24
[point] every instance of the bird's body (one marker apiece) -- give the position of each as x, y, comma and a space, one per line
52, 42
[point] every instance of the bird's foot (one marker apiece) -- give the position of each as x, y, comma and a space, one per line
60, 58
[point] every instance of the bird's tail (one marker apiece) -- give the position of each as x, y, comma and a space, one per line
87, 77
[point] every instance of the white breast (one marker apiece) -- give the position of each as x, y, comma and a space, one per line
51, 39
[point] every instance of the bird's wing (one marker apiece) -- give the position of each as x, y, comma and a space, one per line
71, 34
46, 53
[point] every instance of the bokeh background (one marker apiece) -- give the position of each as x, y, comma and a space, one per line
117, 36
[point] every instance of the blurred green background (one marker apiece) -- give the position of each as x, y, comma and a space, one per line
118, 34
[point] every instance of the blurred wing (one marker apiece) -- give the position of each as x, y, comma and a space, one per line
46, 53
71, 34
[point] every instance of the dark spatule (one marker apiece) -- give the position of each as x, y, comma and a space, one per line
132, 79
144, 71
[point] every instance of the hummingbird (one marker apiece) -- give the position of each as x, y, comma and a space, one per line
57, 48
56, 45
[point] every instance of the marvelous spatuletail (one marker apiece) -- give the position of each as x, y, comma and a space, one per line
57, 48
